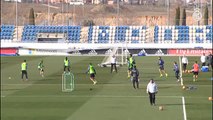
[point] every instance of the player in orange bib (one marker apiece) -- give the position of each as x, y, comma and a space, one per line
195, 71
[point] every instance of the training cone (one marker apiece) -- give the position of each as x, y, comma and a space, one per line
210, 99
160, 108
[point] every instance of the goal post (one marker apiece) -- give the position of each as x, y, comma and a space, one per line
120, 54
67, 82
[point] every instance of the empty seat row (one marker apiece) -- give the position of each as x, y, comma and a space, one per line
51, 27
7, 32
31, 31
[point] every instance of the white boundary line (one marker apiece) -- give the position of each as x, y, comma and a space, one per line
184, 108
93, 96
106, 84
181, 75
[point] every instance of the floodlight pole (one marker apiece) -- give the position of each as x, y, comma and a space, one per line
117, 17
17, 19
62, 11
48, 13
73, 14
168, 12
83, 10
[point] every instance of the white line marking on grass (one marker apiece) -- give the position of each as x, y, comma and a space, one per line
85, 96
106, 84
184, 108
181, 75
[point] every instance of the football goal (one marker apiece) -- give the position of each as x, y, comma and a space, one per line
119, 52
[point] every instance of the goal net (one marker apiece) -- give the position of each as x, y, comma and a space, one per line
120, 55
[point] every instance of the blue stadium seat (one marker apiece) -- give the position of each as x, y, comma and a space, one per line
7, 32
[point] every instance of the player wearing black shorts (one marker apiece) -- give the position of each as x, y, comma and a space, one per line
41, 68
24, 70
92, 72
195, 71
134, 78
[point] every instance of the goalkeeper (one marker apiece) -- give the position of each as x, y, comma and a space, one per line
41, 68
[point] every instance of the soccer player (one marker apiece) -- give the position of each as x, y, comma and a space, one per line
211, 61
135, 75
131, 64
152, 89
176, 69
128, 67
41, 68
209, 58
203, 59
24, 70
131, 61
185, 62
161, 67
113, 64
195, 71
92, 72
66, 65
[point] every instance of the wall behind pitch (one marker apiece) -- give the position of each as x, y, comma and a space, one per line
189, 52
23, 51
8, 51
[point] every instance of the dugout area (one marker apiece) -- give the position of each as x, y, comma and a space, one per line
113, 98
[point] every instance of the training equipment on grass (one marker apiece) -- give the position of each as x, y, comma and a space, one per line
67, 82
191, 87
205, 68
160, 108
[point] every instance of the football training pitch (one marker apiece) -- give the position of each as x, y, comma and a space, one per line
112, 98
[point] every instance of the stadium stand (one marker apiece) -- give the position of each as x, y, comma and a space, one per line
7, 32
183, 34
116, 34
72, 33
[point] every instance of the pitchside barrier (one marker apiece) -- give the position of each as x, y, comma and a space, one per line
67, 82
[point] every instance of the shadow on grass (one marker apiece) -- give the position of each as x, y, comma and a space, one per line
173, 104
166, 87
10, 89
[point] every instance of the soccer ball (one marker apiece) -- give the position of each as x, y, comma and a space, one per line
9, 78
190, 71
160, 108
210, 98
183, 87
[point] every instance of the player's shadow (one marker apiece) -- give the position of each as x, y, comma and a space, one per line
148, 77
175, 104
172, 104
10, 89
166, 87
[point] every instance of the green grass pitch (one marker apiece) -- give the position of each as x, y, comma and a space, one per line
113, 98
